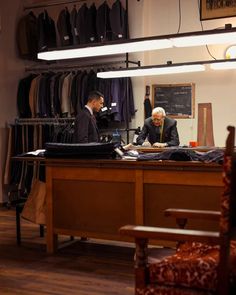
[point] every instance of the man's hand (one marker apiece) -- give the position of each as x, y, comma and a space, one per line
159, 144
146, 143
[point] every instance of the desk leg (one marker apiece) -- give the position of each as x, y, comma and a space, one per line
52, 240
139, 206
51, 237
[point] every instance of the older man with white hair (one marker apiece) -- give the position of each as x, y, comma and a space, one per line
159, 130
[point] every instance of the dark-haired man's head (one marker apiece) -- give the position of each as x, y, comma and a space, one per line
95, 100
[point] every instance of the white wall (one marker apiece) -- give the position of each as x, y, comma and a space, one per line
160, 17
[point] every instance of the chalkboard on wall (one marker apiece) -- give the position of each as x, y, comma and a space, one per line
176, 99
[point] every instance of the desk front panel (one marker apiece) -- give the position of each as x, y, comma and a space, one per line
95, 201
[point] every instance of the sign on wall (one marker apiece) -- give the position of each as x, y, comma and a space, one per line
211, 9
176, 99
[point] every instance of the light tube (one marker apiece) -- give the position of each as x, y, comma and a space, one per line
151, 71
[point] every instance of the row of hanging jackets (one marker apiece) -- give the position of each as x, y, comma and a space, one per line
63, 94
25, 138
82, 26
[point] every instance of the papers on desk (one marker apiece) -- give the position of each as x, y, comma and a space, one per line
129, 158
36, 153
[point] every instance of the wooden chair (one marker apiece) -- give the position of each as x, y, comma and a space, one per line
205, 263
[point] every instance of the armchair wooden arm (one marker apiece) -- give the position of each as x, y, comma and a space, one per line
182, 215
170, 234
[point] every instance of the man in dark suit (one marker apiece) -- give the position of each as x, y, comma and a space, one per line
159, 130
85, 124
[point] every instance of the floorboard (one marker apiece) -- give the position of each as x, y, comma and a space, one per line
83, 268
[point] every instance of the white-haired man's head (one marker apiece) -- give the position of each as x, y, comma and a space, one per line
159, 110
158, 116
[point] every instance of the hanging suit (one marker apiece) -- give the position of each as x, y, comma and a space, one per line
81, 23
91, 24
118, 21
46, 31
74, 32
27, 36
64, 28
103, 23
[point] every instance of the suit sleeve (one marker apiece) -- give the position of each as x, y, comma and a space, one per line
143, 134
81, 128
174, 136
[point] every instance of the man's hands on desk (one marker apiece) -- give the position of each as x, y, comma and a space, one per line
156, 144
145, 144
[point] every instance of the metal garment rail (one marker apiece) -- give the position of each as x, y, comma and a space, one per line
51, 4
58, 66
41, 121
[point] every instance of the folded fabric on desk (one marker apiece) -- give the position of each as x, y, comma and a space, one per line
79, 150
180, 154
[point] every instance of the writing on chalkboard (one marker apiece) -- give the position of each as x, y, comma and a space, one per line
176, 99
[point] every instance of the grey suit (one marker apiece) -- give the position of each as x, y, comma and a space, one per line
152, 133
85, 128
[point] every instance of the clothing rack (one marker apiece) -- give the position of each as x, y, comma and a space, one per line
41, 121
51, 4
57, 66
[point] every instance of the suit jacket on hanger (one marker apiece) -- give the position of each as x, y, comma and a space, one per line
46, 31
81, 22
27, 36
74, 32
64, 28
103, 23
117, 21
91, 24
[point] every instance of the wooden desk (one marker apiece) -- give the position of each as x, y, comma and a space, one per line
93, 198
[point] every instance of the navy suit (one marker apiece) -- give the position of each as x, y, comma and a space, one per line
85, 128
152, 133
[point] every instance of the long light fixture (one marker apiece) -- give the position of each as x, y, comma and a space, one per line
226, 65
217, 36
197, 66
152, 70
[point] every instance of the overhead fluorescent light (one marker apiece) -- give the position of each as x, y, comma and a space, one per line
165, 69
198, 38
204, 39
227, 65
152, 70
105, 49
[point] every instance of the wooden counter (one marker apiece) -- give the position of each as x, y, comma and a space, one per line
93, 198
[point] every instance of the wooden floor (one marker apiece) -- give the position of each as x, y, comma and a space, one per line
82, 268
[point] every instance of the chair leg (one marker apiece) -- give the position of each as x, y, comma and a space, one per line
41, 230
18, 228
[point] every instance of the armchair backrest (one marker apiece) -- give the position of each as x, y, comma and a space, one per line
228, 213
228, 198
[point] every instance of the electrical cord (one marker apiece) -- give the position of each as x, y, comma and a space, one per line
208, 50
180, 17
